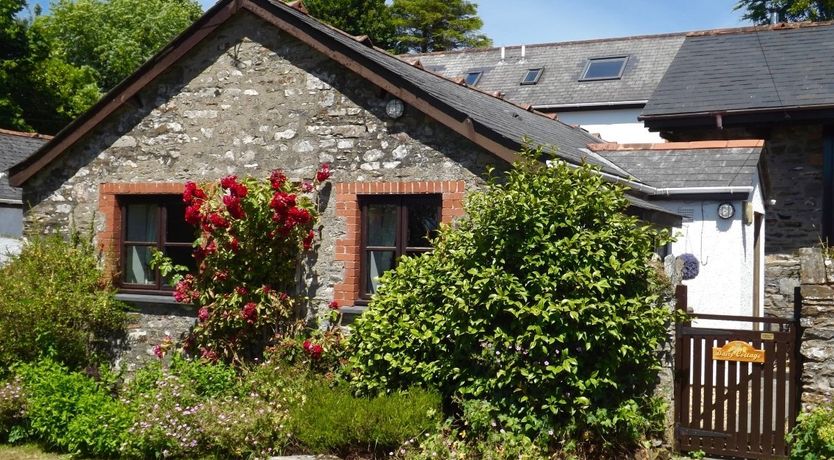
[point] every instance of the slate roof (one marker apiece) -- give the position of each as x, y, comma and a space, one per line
14, 147
688, 164
506, 124
748, 69
563, 64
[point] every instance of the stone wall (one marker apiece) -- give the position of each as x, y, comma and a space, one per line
148, 325
247, 100
817, 321
250, 99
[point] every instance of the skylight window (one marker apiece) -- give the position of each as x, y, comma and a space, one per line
610, 68
531, 77
473, 77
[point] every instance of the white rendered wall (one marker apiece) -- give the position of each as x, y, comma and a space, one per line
615, 125
725, 251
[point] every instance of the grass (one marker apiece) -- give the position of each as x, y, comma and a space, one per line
28, 452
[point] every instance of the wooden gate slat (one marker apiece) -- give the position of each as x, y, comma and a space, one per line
743, 441
781, 383
720, 398
756, 407
697, 354
732, 406
768, 397
708, 401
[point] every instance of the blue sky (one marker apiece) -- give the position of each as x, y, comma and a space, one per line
516, 22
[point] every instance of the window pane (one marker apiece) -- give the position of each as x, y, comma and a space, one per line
604, 68
378, 263
382, 224
472, 78
177, 231
142, 222
137, 270
422, 223
531, 77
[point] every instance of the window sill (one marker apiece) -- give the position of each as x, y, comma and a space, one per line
148, 298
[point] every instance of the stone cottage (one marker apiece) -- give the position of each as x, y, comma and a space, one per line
256, 85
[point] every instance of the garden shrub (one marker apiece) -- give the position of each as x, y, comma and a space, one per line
813, 436
332, 419
12, 408
252, 236
541, 301
54, 298
72, 412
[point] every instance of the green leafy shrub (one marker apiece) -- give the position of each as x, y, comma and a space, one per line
332, 419
72, 412
54, 299
542, 301
813, 436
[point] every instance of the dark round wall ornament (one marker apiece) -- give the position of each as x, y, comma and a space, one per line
689, 266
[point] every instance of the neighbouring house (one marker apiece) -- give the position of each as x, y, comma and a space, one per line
14, 147
599, 85
774, 83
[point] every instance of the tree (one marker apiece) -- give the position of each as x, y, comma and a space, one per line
436, 25
113, 37
770, 11
356, 17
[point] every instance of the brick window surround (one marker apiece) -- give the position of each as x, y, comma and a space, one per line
347, 207
108, 206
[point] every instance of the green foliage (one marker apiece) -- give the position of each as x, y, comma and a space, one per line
72, 412
55, 300
813, 436
770, 11
113, 37
542, 301
333, 420
356, 17
436, 25
54, 67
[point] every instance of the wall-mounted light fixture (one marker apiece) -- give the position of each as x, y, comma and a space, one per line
726, 210
394, 108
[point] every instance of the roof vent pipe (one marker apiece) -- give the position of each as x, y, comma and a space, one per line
523, 51
503, 53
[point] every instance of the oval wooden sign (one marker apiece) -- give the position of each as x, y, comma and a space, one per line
738, 351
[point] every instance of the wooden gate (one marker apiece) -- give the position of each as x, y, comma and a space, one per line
726, 403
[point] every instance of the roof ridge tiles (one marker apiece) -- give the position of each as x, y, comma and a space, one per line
694, 145
762, 28
25, 134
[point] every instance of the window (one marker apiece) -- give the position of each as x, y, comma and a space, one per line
393, 226
473, 77
531, 77
152, 222
610, 68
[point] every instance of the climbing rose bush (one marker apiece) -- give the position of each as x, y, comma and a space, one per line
252, 236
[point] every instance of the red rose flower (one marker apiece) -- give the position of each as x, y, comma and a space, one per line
240, 190
308, 240
306, 345
218, 221
211, 247
323, 173
202, 314
306, 186
192, 214
234, 244
192, 193
228, 182
333, 305
277, 179
232, 203
316, 351
250, 312
158, 351
241, 290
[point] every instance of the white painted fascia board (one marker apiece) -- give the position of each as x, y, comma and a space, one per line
7, 201
578, 105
